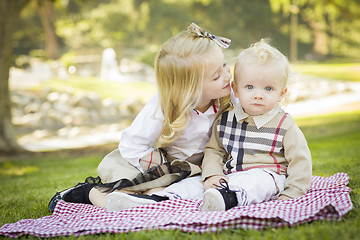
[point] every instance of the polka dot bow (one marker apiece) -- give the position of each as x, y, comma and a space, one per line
221, 41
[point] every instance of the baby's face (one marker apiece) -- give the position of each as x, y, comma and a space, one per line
259, 87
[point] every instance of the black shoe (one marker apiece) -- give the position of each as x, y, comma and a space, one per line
76, 194
219, 199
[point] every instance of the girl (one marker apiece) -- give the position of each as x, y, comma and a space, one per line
165, 142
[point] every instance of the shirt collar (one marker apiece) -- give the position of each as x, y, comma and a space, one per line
259, 120
213, 109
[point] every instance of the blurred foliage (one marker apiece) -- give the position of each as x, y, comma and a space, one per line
137, 28
330, 26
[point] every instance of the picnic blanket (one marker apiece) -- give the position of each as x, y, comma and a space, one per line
327, 199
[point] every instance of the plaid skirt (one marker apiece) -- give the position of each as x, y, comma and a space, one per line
160, 170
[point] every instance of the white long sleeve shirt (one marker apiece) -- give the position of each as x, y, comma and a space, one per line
139, 139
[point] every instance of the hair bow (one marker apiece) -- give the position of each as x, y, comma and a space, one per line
221, 41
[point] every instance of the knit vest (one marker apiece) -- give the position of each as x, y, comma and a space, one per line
250, 147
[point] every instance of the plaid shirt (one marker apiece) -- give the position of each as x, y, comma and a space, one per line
240, 138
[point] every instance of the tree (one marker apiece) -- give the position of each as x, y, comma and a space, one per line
333, 25
9, 17
46, 12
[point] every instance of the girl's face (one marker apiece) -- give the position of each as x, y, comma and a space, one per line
259, 87
216, 80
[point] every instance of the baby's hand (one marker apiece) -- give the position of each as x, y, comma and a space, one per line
213, 181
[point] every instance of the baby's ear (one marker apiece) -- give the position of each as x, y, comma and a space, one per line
234, 88
282, 94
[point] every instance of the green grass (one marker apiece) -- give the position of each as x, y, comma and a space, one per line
29, 181
338, 71
115, 90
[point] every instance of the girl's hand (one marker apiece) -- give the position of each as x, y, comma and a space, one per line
213, 181
283, 197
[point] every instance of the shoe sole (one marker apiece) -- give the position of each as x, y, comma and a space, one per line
212, 201
118, 201
59, 196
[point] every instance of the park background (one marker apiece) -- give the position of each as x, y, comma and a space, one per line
60, 113
84, 67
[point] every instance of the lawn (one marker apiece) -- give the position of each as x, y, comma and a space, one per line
28, 181
115, 90
337, 71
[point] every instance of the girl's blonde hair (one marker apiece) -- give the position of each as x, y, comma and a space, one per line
179, 72
261, 53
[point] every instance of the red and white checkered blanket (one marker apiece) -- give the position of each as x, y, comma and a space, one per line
328, 198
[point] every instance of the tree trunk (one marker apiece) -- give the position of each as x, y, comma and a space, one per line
46, 12
320, 41
9, 17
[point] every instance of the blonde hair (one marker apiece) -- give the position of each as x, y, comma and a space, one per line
262, 53
179, 74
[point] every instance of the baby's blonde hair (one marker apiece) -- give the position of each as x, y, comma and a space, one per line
179, 71
262, 53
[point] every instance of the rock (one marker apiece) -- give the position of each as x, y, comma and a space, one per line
80, 116
53, 97
133, 106
51, 110
62, 108
32, 108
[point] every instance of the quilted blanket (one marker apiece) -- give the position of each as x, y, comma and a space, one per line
327, 199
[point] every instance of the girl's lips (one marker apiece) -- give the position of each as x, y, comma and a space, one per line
227, 86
